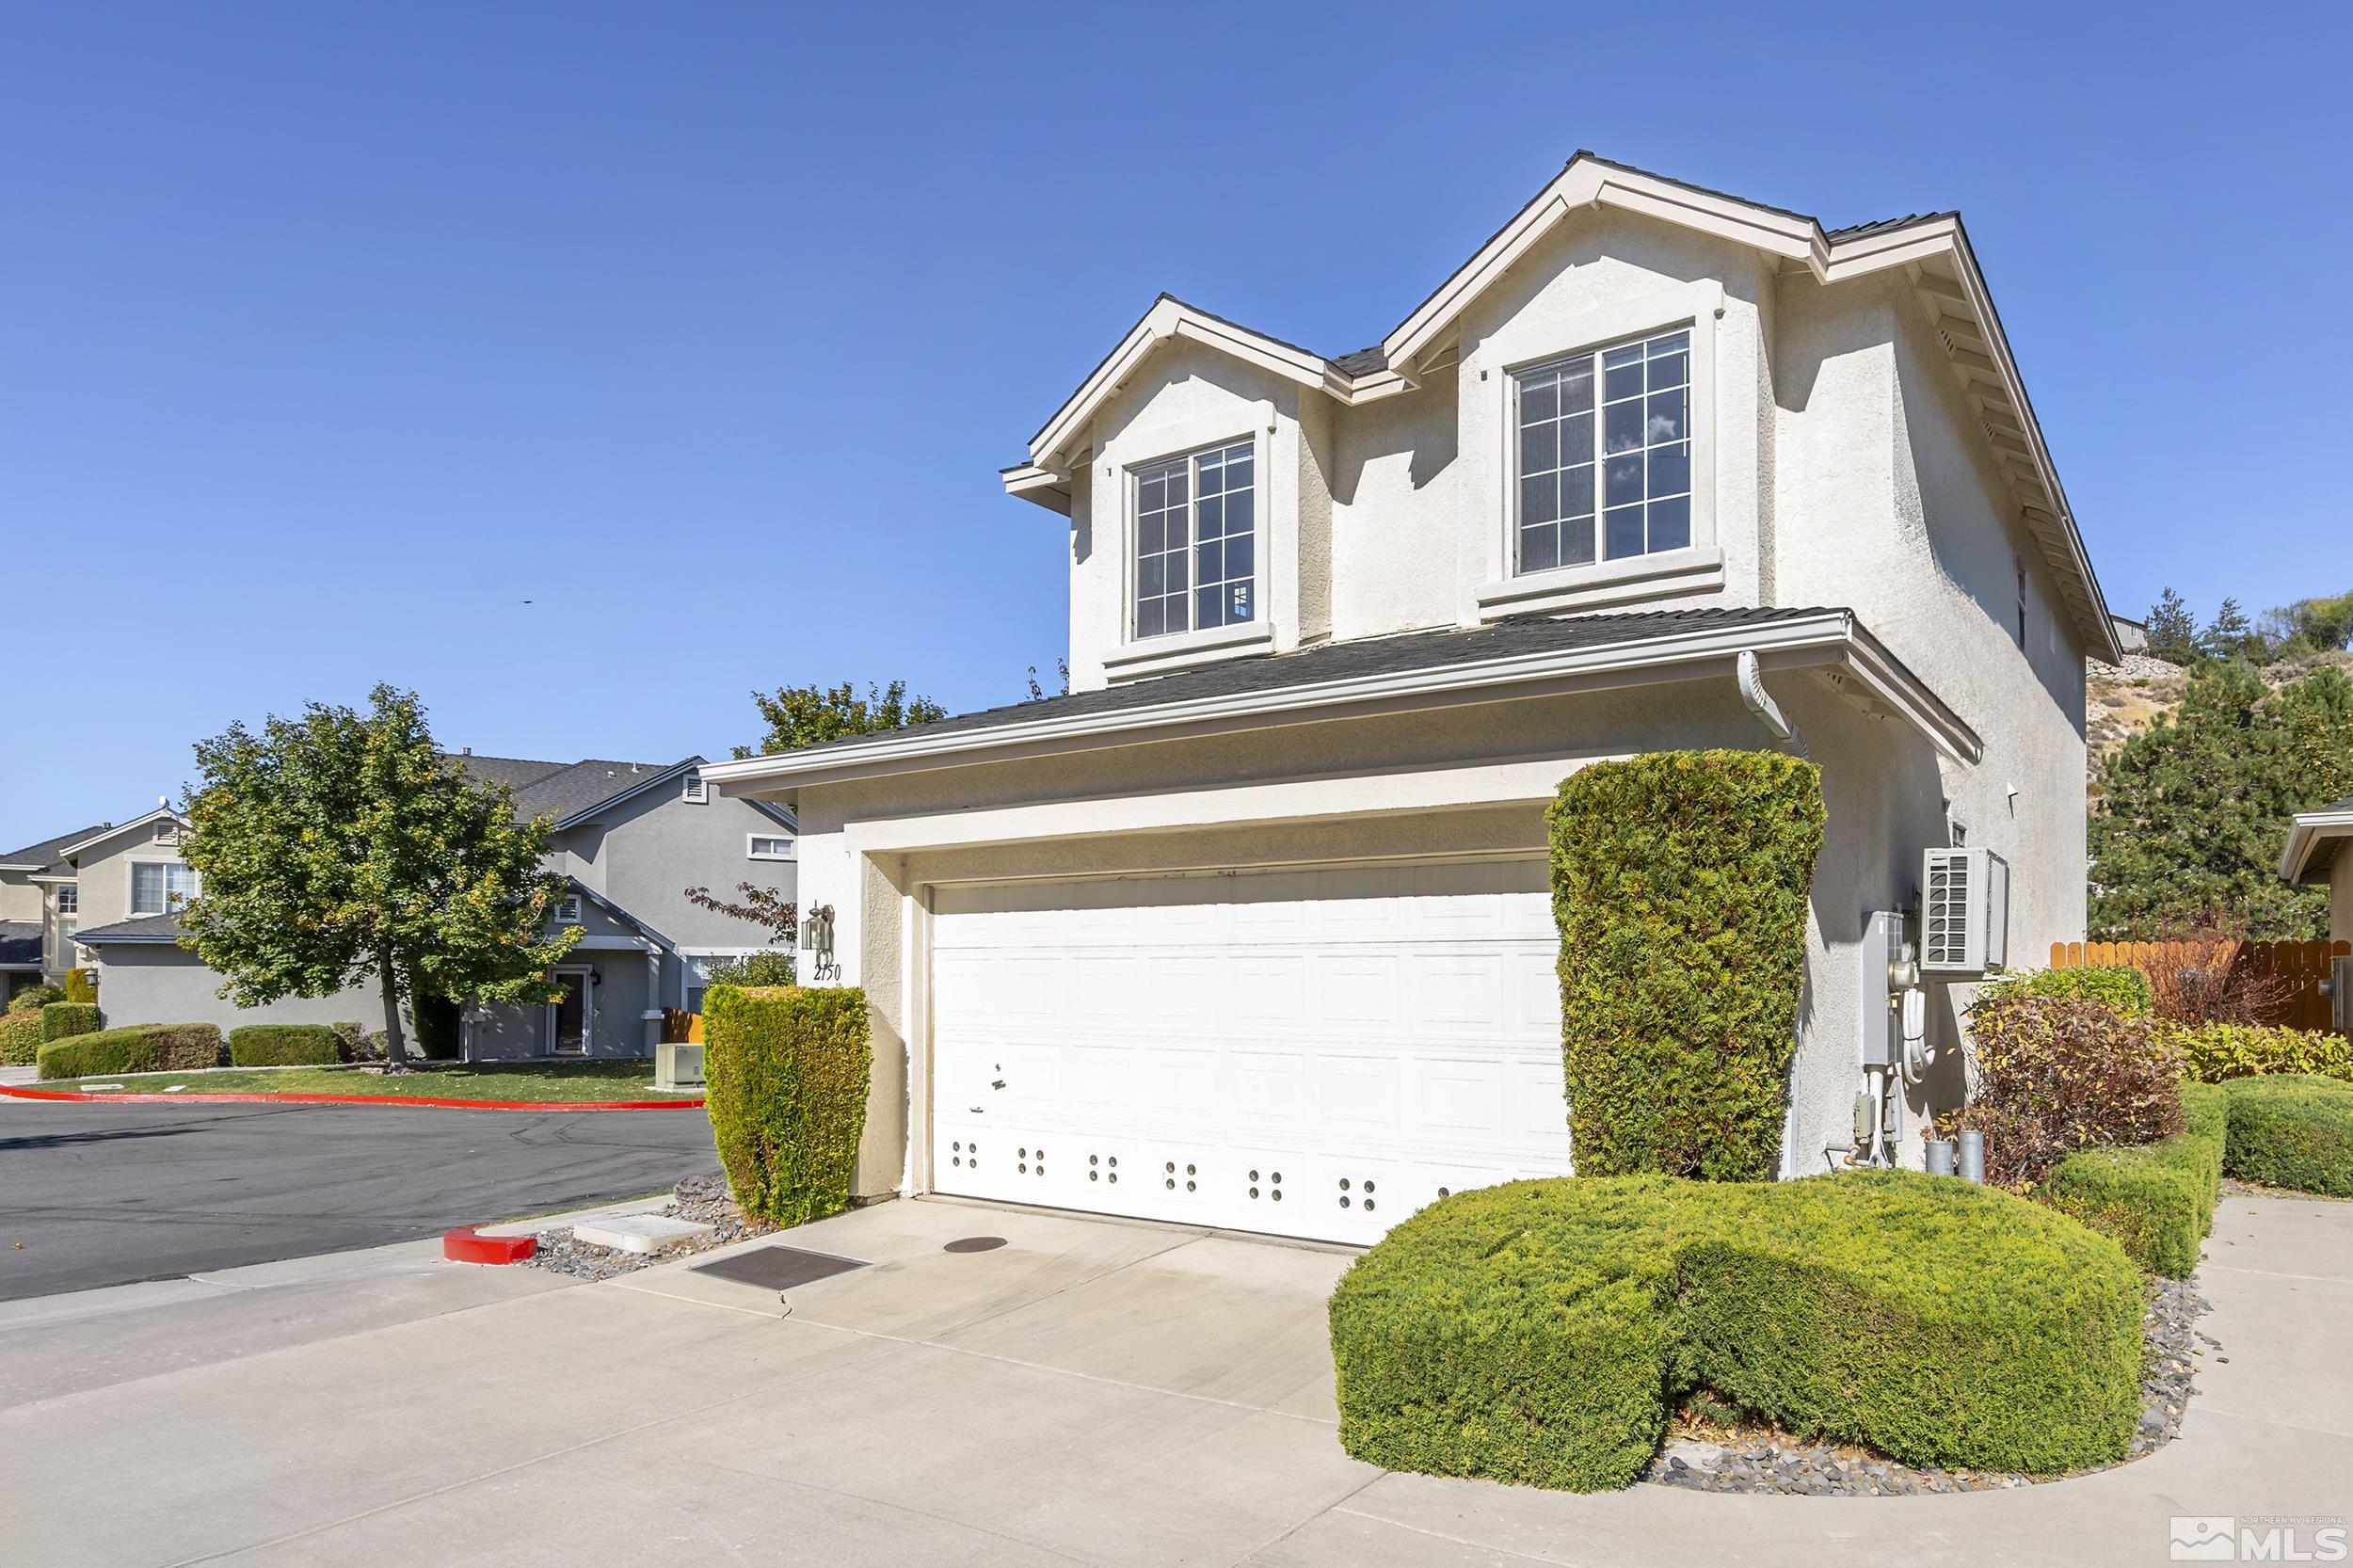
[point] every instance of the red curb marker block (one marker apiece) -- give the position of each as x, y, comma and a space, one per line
464, 1246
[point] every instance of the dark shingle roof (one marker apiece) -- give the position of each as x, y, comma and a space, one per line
562, 789
19, 944
2345, 804
45, 853
144, 928
1349, 661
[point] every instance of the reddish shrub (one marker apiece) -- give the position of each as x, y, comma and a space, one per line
2055, 1075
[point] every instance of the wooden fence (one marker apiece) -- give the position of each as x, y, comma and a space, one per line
2307, 964
682, 1027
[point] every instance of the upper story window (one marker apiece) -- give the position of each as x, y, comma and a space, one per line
764, 847
68, 898
160, 887
568, 910
1196, 541
1605, 454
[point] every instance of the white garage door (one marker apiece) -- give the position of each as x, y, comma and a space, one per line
1309, 1052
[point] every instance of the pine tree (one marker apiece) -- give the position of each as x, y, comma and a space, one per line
2229, 635
2173, 630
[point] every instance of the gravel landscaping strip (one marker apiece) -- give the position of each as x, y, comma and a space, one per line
702, 1198
1706, 1457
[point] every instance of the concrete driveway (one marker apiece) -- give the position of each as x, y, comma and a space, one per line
101, 1194
1091, 1392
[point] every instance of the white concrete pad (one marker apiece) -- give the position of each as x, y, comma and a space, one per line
639, 1233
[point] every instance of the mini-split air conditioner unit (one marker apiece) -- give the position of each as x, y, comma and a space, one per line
1965, 918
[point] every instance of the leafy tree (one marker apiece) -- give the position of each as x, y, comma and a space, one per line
338, 847
1038, 687
763, 906
2229, 634
798, 716
2173, 630
2311, 625
2192, 810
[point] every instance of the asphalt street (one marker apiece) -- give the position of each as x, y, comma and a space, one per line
107, 1194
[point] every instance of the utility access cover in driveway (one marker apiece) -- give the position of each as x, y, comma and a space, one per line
778, 1267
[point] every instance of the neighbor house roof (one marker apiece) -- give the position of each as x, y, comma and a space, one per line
1531, 656
1931, 248
49, 852
19, 944
161, 929
2315, 839
570, 791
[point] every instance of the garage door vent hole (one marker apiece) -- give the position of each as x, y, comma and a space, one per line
968, 1157
1274, 1185
1369, 1204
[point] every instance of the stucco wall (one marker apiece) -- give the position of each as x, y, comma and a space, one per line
2341, 898
644, 852
140, 984
20, 900
102, 873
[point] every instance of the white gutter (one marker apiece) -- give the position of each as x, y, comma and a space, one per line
2306, 834
1830, 638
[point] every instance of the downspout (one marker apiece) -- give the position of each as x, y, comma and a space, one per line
1751, 677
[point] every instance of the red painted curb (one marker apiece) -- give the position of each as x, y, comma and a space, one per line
465, 1245
385, 1101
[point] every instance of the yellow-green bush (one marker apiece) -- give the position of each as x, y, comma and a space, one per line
2118, 988
1679, 884
2218, 1052
137, 1049
19, 1037
61, 1020
1542, 1332
2293, 1130
2155, 1199
785, 1073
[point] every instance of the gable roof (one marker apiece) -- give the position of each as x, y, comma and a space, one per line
159, 929
572, 791
1932, 249
49, 852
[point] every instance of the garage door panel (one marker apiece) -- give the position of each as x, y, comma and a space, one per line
1243, 1044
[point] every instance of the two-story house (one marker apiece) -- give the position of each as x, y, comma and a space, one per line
40, 908
1252, 928
630, 837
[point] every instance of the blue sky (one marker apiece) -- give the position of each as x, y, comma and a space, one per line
332, 334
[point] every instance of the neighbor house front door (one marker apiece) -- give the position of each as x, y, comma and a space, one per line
568, 1015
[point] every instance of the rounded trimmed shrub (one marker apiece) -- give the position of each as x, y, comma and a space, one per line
284, 1045
2156, 1200
2118, 988
1542, 1332
785, 1071
19, 1037
136, 1048
2217, 1053
1679, 884
34, 998
2293, 1130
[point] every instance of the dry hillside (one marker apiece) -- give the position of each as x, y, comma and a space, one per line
2121, 700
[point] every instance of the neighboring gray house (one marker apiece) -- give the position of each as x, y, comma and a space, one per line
631, 837
41, 904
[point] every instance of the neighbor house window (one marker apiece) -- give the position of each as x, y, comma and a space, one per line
160, 887
765, 848
1605, 454
68, 898
1196, 541
568, 909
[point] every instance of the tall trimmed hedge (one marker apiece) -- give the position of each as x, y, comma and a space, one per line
1542, 1332
2156, 1200
61, 1020
2217, 1053
1679, 884
2293, 1130
284, 1045
137, 1049
785, 1071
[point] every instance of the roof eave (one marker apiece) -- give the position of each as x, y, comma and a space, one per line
1831, 638
2307, 832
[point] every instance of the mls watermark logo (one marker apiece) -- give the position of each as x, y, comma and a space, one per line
2259, 1538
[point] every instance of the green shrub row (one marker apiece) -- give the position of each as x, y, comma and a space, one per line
135, 1049
34, 998
2293, 1131
2217, 1052
61, 1020
284, 1045
1679, 884
2156, 1200
2120, 988
786, 1072
20, 1038
1542, 1332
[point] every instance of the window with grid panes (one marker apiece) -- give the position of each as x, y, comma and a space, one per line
1605, 454
1196, 541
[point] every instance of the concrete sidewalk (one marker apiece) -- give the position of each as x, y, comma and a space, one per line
1089, 1392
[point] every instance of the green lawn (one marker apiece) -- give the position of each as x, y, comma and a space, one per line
489, 1081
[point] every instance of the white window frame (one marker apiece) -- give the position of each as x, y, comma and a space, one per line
695, 789
570, 910
166, 832
1532, 344
131, 888
753, 841
1131, 566
69, 897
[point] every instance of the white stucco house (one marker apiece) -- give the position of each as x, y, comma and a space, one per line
1251, 929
